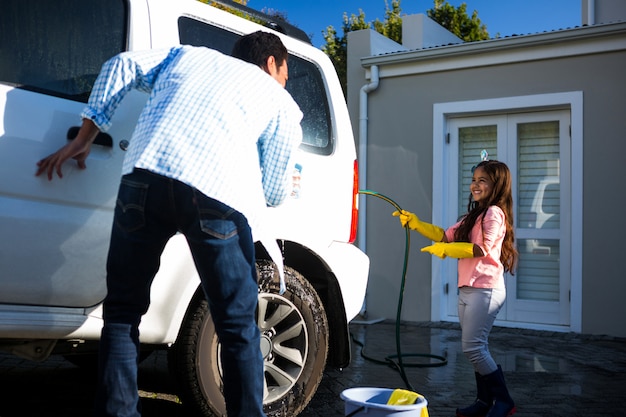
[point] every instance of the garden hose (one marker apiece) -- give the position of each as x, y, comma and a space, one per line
396, 361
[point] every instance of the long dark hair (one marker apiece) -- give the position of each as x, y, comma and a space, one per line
500, 196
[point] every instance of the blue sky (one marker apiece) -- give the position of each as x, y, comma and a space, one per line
506, 17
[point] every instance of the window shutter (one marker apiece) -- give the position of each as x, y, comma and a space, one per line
472, 141
538, 203
538, 176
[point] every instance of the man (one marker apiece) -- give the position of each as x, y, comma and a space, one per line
211, 149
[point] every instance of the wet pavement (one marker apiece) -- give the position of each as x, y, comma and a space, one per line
548, 374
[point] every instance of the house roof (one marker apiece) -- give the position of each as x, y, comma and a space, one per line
555, 38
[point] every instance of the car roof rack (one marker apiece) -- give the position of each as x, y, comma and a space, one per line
273, 22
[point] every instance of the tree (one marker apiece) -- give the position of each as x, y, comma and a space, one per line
391, 27
454, 19
336, 46
457, 21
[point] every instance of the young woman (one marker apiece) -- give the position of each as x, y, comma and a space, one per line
483, 241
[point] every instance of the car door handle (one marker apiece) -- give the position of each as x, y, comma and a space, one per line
103, 139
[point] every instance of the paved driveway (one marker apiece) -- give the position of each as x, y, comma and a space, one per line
549, 374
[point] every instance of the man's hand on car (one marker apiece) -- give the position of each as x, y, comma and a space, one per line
77, 149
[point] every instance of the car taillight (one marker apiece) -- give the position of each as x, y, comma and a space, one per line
355, 203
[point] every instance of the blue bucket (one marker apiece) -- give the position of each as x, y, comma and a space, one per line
372, 402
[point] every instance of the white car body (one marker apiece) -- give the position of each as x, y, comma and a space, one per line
54, 234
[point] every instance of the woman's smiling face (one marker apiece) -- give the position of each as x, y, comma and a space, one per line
481, 186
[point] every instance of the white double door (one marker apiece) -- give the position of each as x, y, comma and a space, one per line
536, 148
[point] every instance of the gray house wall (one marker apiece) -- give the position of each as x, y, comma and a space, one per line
594, 12
400, 153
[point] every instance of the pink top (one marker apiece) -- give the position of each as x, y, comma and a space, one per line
485, 271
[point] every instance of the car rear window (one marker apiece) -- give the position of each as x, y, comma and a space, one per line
57, 47
305, 83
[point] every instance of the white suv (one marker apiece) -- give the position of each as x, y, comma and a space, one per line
55, 235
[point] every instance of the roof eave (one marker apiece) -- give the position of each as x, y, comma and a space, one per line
498, 44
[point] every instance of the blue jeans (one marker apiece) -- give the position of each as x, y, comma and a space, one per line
150, 209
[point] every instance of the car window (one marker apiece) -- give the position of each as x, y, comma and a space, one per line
57, 47
305, 83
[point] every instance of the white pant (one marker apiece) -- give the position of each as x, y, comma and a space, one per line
478, 308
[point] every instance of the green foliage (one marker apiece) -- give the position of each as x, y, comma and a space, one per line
391, 27
336, 46
457, 21
231, 10
454, 19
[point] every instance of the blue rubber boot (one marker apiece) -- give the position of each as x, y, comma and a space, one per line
503, 404
483, 402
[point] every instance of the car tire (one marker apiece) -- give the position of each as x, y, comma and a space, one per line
294, 342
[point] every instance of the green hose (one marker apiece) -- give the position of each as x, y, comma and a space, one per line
399, 365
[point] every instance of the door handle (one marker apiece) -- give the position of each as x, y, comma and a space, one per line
103, 139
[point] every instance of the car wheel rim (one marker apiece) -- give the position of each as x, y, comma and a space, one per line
284, 344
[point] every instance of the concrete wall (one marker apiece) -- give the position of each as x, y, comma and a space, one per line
400, 153
595, 12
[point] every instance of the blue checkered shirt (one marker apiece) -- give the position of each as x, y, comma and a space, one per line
211, 121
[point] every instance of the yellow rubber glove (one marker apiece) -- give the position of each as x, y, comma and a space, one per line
454, 250
430, 231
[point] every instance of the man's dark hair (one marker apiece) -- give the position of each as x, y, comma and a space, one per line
256, 47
